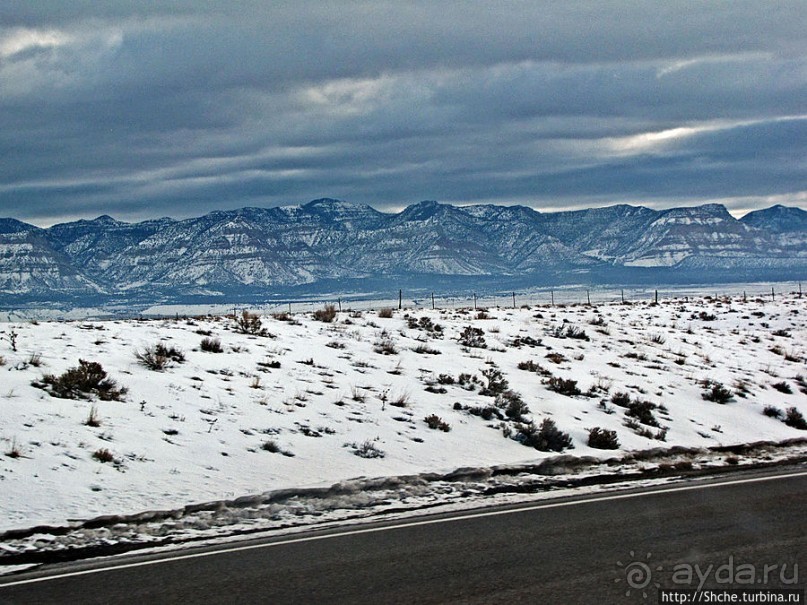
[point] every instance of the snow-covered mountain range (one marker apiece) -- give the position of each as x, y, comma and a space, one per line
327, 244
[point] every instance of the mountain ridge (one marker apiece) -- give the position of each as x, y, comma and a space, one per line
257, 250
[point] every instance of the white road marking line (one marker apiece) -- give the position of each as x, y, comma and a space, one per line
370, 530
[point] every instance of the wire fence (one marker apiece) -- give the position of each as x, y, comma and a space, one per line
512, 299
401, 299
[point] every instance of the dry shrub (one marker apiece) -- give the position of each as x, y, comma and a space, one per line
326, 314
88, 378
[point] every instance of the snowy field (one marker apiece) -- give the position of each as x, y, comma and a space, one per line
304, 402
371, 301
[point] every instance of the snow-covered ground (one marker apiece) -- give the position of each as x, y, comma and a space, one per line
295, 408
367, 301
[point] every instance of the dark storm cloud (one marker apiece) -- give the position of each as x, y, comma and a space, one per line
177, 108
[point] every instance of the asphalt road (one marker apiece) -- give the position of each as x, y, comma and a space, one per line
567, 551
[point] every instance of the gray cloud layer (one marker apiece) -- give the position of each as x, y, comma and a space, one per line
143, 109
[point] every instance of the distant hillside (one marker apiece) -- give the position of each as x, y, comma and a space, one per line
253, 252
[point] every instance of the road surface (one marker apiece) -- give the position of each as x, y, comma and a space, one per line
575, 550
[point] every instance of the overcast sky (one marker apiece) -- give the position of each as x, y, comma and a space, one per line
157, 108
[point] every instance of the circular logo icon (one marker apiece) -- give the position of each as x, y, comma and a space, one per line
637, 574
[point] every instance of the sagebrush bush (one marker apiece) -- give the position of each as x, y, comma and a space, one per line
88, 378
602, 439
576, 333
794, 418
159, 356
433, 388
643, 431
385, 346
211, 345
435, 422
327, 314
531, 366
486, 412
521, 341
782, 387
368, 449
715, 391
269, 364
473, 338
250, 323
426, 324
103, 455
468, 381
802, 382
569, 332
643, 412
546, 438
555, 357
773, 412
514, 406
496, 382
564, 386
621, 399
271, 446
385, 313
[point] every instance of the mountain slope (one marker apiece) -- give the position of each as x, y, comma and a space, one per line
29, 264
777, 219
252, 250
787, 227
680, 234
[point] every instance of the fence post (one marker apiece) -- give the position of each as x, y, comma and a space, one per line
552, 297
656, 296
474, 301
339, 300
588, 297
622, 292
799, 289
773, 296
514, 298
400, 299
432, 301
289, 307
